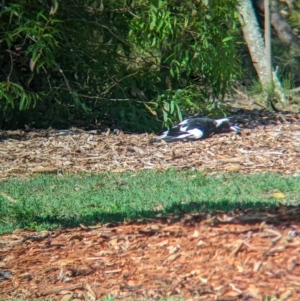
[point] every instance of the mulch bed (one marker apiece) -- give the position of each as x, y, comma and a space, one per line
242, 255
268, 142
206, 256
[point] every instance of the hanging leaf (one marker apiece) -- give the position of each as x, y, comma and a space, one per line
54, 8
32, 64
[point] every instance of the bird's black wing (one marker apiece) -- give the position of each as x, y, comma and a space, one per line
176, 131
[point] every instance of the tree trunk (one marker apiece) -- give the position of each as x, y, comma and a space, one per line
283, 30
255, 42
254, 39
268, 40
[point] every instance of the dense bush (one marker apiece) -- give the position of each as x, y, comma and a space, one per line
136, 64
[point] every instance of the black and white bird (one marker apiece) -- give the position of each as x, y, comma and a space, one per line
197, 128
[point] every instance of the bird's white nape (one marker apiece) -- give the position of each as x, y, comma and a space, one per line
218, 122
184, 122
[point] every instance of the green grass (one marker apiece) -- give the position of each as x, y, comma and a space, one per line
49, 201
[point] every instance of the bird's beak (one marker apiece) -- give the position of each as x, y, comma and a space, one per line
235, 128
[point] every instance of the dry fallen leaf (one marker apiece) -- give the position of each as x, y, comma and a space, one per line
272, 147
232, 168
278, 195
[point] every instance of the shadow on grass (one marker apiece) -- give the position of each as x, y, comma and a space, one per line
191, 212
49, 202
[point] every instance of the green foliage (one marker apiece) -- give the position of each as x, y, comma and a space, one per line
81, 62
193, 39
49, 201
173, 104
10, 91
27, 51
285, 57
287, 61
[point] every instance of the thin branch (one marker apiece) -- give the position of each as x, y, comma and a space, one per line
11, 66
117, 99
117, 82
99, 10
49, 83
66, 80
103, 26
112, 33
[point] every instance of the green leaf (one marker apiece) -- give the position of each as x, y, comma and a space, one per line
166, 107
21, 104
18, 87
41, 15
160, 24
172, 107
153, 7
153, 22
227, 39
179, 112
47, 35
172, 72
9, 100
153, 42
165, 115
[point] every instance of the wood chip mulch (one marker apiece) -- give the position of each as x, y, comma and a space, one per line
268, 142
241, 255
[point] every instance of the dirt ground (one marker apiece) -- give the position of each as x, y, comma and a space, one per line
241, 255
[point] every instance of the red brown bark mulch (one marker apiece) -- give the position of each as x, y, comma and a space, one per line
240, 256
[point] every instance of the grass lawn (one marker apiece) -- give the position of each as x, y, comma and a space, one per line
50, 201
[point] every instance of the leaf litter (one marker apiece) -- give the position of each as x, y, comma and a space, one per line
266, 147
239, 255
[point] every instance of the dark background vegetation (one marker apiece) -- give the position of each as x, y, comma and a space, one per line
134, 64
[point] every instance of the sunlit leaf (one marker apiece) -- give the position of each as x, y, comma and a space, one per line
54, 7
227, 39
279, 195
32, 64
232, 168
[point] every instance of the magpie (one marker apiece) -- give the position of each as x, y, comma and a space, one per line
197, 128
